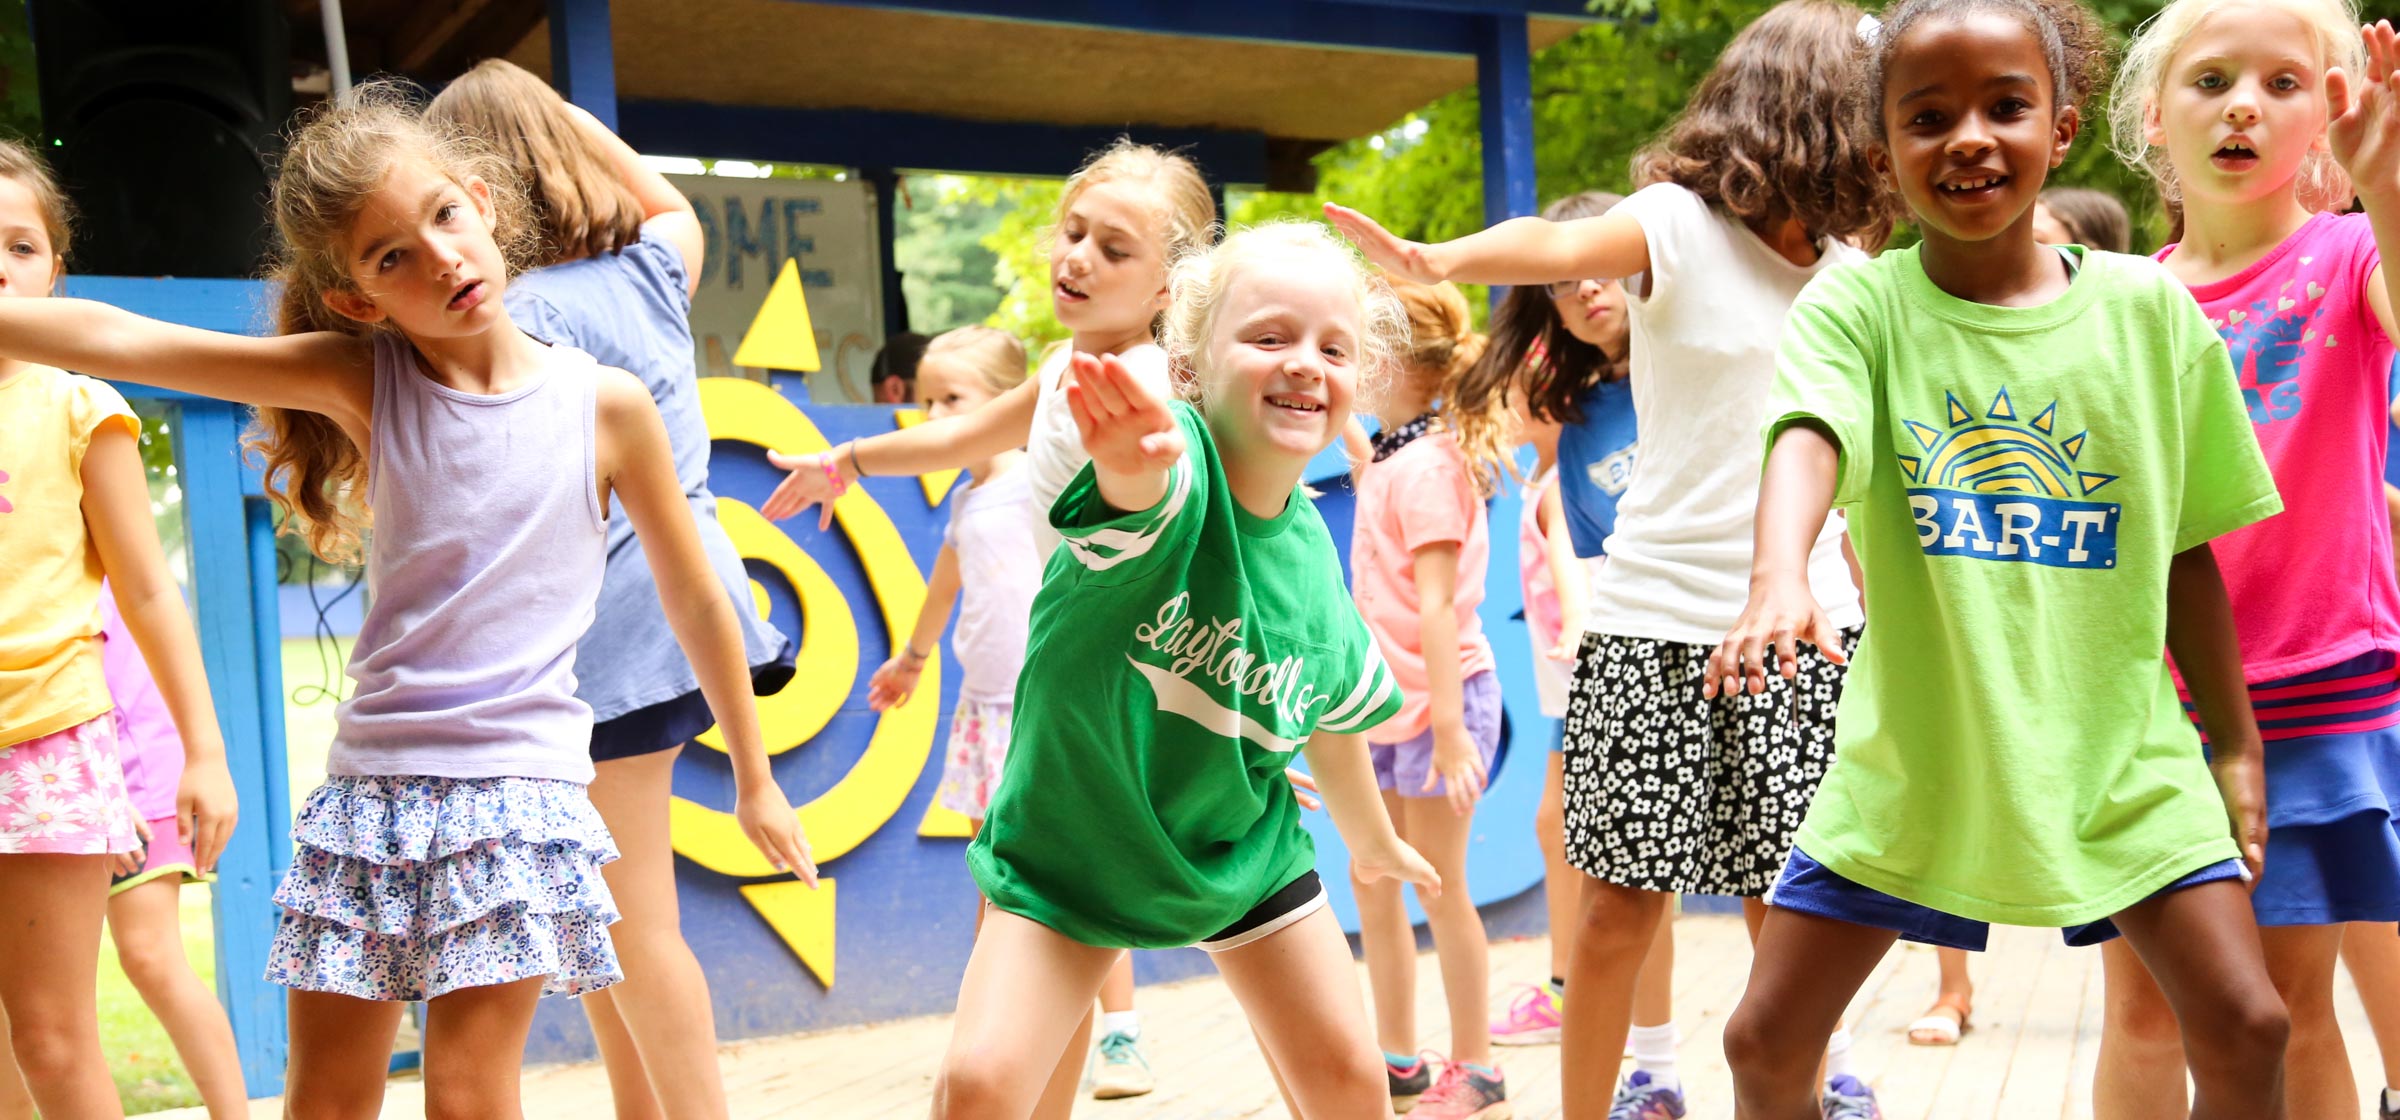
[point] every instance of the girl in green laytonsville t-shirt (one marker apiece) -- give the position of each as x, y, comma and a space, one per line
1190, 635
2034, 445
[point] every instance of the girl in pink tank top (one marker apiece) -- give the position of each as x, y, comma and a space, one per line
2263, 121
451, 855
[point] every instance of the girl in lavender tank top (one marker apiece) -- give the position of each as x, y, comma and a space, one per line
451, 856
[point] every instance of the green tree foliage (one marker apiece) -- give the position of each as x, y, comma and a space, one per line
950, 275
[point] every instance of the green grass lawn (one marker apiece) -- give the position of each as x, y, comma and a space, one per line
149, 1076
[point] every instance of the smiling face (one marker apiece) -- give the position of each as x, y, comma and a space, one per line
1970, 126
1594, 312
420, 255
28, 264
1282, 359
2241, 105
1108, 260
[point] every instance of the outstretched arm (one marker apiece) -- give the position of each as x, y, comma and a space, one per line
2200, 635
116, 509
1130, 433
1793, 501
1517, 251
639, 465
318, 372
2365, 137
950, 443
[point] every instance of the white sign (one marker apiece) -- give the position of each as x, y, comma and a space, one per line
753, 226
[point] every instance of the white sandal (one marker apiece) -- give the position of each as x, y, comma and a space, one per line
1938, 1029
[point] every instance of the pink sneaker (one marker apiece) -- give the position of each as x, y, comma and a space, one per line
1532, 1019
1465, 1092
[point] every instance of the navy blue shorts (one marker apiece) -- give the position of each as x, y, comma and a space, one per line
1808, 887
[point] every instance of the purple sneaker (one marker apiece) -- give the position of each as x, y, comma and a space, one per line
1848, 1098
1641, 1099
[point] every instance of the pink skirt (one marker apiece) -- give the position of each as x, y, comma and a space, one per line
64, 794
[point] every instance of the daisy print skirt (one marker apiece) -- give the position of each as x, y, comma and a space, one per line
408, 888
64, 794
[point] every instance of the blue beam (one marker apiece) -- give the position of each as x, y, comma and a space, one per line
1426, 29
1504, 91
583, 59
231, 533
1556, 9
887, 222
912, 141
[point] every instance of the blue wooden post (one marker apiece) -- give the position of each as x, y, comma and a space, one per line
583, 59
887, 232
1504, 88
231, 531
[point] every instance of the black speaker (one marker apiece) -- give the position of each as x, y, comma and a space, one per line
163, 118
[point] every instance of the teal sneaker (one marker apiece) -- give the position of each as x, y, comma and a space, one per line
1123, 1071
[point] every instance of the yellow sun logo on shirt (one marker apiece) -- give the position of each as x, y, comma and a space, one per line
1995, 486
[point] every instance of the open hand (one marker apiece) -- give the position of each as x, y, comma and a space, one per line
1304, 788
205, 810
2364, 131
893, 683
807, 485
1383, 248
1397, 861
1126, 429
767, 819
1781, 614
121, 864
2242, 782
1457, 767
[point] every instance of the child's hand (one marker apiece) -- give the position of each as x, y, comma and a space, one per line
1384, 249
810, 484
2365, 130
204, 809
2242, 782
767, 819
1782, 613
1459, 766
1125, 429
126, 863
1398, 861
894, 683
1304, 788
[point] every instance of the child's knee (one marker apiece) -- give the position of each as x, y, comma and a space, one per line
1618, 916
44, 1052
151, 968
2244, 1027
972, 1085
1759, 1045
453, 1101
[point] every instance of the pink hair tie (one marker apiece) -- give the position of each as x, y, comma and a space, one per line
833, 474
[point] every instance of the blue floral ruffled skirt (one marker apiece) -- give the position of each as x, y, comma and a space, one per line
407, 888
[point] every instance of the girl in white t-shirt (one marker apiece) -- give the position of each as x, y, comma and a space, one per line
989, 566
1749, 195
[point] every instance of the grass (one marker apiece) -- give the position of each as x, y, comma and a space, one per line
149, 1076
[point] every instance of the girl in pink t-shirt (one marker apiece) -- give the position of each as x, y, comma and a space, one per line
2263, 121
1419, 549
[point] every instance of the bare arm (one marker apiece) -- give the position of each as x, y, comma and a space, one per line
950, 443
2200, 634
116, 509
665, 212
1456, 761
1794, 499
896, 680
1346, 782
1130, 433
318, 372
2364, 134
1517, 251
639, 466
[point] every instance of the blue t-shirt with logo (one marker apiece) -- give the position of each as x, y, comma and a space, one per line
1595, 465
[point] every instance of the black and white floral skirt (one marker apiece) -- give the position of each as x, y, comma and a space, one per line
1668, 790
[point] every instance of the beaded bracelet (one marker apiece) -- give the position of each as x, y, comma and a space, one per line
833, 474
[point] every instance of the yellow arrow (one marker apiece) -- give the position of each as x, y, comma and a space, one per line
781, 337
802, 917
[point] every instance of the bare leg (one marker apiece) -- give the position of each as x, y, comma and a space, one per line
1806, 970
1562, 885
16, 1101
1654, 989
1116, 992
1390, 947
658, 1036
1954, 1000
474, 1048
1026, 990
1296, 986
2317, 1080
1618, 926
1057, 1101
1440, 835
2141, 1070
341, 1052
2371, 950
2201, 944
49, 970
147, 926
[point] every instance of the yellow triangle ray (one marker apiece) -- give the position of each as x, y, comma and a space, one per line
944, 823
781, 337
2092, 482
802, 917
1909, 464
1958, 412
1926, 434
937, 483
2073, 445
2001, 408
2042, 422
